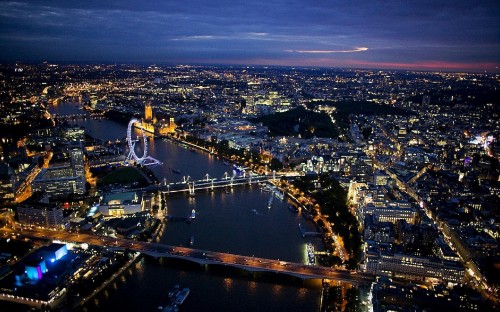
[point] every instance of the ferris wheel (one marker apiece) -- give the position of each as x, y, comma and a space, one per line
132, 156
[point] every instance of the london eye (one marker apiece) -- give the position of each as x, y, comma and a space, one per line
132, 156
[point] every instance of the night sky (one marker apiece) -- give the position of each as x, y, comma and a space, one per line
417, 34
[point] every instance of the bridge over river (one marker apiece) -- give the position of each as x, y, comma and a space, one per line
208, 183
205, 257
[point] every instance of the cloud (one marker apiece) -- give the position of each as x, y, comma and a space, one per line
261, 36
360, 49
195, 38
277, 31
28, 38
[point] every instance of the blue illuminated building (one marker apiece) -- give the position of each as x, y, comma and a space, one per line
35, 268
36, 265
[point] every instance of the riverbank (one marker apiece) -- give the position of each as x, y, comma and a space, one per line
189, 144
82, 301
224, 222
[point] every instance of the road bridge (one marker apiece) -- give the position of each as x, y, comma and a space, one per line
206, 257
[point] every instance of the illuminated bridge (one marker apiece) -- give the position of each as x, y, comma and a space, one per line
209, 183
205, 257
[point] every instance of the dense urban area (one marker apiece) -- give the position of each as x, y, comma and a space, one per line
397, 170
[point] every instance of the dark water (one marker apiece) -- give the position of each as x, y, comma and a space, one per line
145, 286
238, 222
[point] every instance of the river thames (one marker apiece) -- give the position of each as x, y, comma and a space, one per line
239, 222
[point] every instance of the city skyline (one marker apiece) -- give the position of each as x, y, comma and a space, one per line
250, 188
428, 35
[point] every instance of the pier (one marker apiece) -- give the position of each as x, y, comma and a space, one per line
189, 218
176, 218
306, 233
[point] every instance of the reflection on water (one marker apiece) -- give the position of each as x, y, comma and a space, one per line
138, 269
224, 222
277, 290
301, 292
252, 286
106, 293
228, 283
96, 302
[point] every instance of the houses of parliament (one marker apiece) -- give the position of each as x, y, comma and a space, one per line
158, 126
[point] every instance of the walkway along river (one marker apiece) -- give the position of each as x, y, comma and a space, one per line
238, 222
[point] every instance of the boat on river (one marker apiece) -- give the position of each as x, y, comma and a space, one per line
311, 257
238, 170
171, 308
181, 296
174, 291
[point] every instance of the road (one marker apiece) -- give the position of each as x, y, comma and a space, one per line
248, 263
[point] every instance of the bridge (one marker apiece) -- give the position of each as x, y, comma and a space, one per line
205, 257
81, 116
209, 183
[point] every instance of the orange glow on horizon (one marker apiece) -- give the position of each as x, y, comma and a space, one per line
350, 63
432, 65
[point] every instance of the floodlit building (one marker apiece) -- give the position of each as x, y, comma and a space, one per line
117, 204
157, 124
54, 252
35, 268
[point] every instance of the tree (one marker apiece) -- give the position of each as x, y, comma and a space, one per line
40, 161
367, 131
276, 164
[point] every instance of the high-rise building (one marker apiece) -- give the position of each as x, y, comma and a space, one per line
7, 183
63, 178
77, 162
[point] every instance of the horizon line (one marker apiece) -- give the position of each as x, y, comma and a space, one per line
384, 66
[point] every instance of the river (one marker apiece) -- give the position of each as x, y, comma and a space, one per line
238, 222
